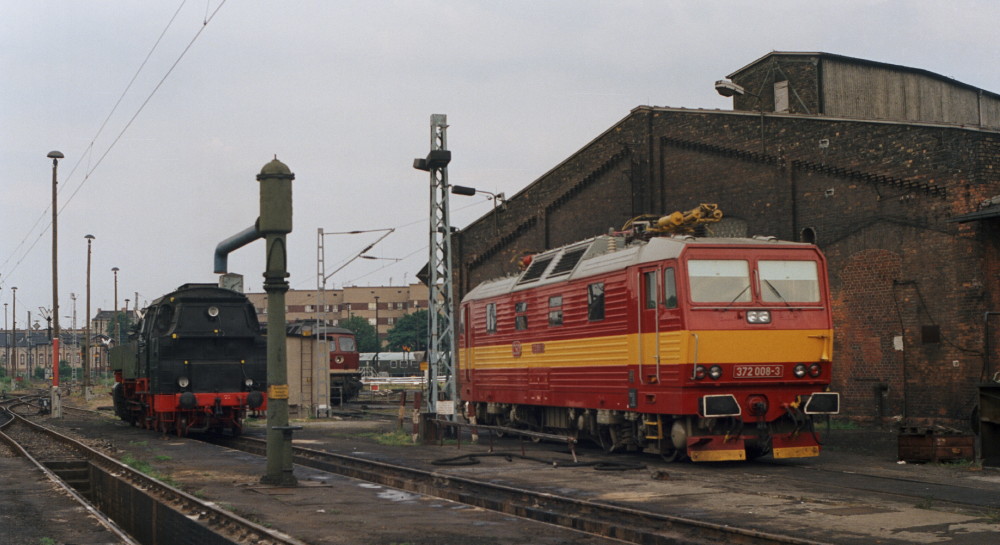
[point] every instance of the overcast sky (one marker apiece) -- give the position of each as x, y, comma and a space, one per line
342, 92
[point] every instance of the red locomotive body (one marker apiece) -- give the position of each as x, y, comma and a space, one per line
708, 348
345, 364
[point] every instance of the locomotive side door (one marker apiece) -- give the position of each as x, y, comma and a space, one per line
671, 338
648, 324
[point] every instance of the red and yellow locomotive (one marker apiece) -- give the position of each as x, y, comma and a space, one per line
707, 348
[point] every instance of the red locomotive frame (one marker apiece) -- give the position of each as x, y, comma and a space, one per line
707, 348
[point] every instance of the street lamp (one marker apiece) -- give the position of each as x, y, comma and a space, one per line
729, 89
118, 338
86, 339
378, 339
13, 326
6, 345
497, 198
56, 407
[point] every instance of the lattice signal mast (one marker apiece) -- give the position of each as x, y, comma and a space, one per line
441, 321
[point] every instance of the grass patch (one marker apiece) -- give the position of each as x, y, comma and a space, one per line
138, 443
391, 438
162, 458
970, 465
145, 468
841, 425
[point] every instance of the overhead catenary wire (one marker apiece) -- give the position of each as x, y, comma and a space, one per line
87, 153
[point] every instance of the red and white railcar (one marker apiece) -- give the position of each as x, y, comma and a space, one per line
707, 348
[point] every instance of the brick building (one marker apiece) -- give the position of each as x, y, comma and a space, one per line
887, 168
381, 304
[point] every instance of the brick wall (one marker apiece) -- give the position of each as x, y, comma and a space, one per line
877, 195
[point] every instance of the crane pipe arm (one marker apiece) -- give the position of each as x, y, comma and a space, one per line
238, 240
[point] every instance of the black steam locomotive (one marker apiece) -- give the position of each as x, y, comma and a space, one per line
196, 362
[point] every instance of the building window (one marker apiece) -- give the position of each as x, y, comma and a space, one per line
555, 311
595, 302
781, 96
491, 318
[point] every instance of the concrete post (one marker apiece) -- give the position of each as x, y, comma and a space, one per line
274, 223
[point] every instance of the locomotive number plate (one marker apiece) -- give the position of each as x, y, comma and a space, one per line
758, 371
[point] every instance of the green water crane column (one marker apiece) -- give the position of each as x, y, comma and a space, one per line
274, 223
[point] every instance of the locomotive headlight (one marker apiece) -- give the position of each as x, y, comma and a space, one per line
248, 382
800, 370
213, 312
815, 370
183, 382
715, 372
699, 372
759, 316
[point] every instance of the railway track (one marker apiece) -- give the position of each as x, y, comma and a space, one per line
136, 507
600, 519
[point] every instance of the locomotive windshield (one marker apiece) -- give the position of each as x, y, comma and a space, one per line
719, 280
346, 344
778, 281
788, 281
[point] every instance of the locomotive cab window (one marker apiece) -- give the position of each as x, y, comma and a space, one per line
347, 344
788, 281
491, 318
669, 288
719, 280
595, 302
649, 279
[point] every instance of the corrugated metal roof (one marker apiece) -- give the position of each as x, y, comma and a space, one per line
855, 60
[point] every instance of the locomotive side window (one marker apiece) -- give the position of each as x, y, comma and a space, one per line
491, 318
787, 281
521, 318
669, 288
555, 312
649, 279
595, 302
164, 315
719, 280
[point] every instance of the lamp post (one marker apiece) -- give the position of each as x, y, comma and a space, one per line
13, 327
729, 89
118, 337
86, 338
378, 340
56, 407
6, 345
